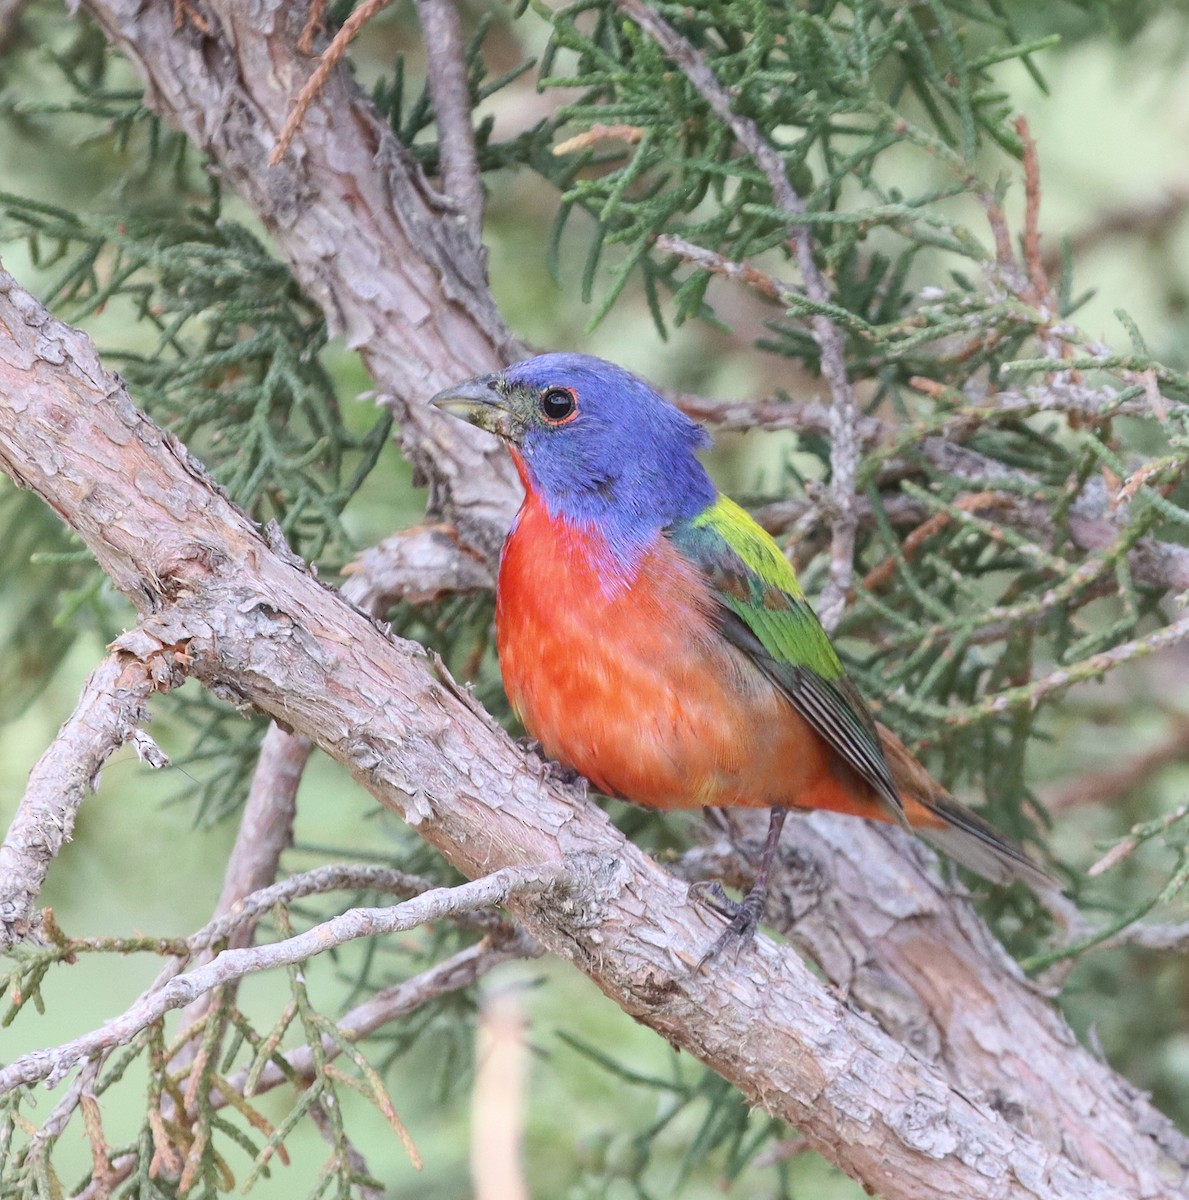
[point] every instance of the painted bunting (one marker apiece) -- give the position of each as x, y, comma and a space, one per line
654, 638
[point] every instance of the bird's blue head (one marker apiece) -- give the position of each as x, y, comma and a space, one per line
599, 445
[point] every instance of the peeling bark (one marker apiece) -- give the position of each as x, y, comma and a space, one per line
393, 264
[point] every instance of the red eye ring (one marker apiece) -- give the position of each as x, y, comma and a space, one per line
558, 405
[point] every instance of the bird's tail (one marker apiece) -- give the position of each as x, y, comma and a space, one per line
953, 828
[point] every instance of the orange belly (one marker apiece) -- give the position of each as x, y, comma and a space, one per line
629, 682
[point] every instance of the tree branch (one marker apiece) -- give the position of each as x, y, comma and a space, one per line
266, 827
231, 965
419, 312
459, 971
360, 227
109, 713
261, 630
929, 973
446, 77
421, 565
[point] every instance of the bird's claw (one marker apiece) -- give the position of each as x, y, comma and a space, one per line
709, 892
554, 770
743, 916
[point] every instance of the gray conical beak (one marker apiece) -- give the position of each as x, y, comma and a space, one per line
481, 402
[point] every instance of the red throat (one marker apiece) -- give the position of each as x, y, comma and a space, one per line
521, 469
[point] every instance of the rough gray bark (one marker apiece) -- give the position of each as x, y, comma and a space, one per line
109, 713
396, 268
260, 629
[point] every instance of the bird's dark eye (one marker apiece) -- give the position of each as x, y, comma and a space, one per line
558, 405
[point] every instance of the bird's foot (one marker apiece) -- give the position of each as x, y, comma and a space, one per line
743, 916
553, 769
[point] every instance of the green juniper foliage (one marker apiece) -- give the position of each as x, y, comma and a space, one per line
1020, 492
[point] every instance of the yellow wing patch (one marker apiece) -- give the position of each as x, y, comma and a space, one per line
753, 545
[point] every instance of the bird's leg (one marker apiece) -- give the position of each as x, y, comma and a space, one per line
744, 915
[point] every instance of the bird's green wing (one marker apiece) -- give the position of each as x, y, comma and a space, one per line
764, 612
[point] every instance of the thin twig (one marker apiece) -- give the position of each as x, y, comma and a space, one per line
265, 830
844, 413
54, 1125
710, 260
330, 59
314, 25
769, 414
1033, 259
598, 133
446, 78
1139, 834
930, 527
51, 1065
1030, 694
333, 878
1161, 939
454, 974
638, 950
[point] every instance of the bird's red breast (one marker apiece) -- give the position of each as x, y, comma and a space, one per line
626, 679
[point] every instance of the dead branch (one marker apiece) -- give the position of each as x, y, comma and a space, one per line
109, 713
740, 272
231, 965
333, 878
330, 58
1041, 291
459, 971
265, 831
